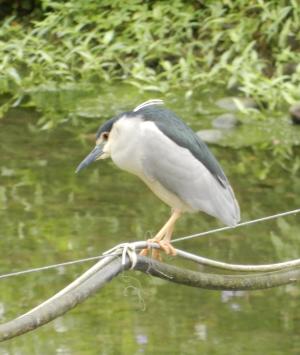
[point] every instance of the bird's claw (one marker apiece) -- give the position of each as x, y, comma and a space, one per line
165, 245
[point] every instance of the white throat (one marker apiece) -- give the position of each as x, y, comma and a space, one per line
124, 144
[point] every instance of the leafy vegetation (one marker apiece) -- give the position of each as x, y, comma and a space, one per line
154, 45
60, 53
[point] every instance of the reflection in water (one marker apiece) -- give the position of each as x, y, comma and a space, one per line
227, 296
49, 215
201, 331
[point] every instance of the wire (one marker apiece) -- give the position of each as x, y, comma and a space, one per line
237, 226
53, 266
79, 261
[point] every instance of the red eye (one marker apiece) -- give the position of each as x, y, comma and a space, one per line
105, 136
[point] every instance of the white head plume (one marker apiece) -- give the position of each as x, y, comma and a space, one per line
148, 103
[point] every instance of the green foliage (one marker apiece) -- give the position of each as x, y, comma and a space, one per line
157, 45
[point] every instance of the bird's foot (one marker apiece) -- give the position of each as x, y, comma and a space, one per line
155, 253
165, 245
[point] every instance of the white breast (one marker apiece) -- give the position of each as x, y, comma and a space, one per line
129, 150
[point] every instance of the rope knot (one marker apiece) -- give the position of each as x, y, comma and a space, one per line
124, 249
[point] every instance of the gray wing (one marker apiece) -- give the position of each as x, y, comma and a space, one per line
174, 128
182, 174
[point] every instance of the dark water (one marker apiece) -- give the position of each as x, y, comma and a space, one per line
49, 215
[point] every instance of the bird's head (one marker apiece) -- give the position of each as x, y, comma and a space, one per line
103, 136
101, 150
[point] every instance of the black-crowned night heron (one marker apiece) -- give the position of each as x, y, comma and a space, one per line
154, 144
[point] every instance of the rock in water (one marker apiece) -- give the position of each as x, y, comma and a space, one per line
295, 113
210, 135
225, 121
233, 103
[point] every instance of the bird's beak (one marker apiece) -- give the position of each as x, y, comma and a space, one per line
95, 154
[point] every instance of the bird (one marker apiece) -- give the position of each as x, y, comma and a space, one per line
154, 144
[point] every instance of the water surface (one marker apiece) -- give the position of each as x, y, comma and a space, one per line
49, 215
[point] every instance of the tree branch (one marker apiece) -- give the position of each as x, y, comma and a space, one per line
65, 301
217, 281
60, 305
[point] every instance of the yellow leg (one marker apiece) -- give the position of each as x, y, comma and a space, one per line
163, 237
165, 243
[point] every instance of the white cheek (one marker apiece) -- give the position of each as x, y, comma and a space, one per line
125, 145
106, 151
114, 142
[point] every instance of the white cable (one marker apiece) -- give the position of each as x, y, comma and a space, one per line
237, 226
110, 252
48, 267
